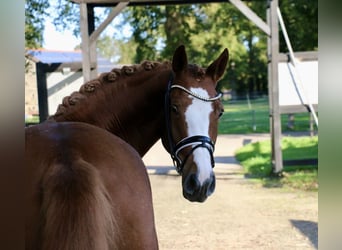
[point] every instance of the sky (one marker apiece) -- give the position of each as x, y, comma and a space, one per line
55, 40
66, 41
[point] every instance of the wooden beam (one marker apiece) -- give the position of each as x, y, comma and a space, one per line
97, 1
300, 56
269, 69
92, 46
292, 109
114, 12
145, 2
244, 9
273, 43
42, 92
111, 3
85, 46
58, 67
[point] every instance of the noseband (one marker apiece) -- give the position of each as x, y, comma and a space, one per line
195, 141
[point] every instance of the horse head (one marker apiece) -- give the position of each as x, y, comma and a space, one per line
192, 109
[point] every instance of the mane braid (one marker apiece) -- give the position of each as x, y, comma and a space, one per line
114, 76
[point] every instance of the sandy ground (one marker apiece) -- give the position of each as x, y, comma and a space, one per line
239, 215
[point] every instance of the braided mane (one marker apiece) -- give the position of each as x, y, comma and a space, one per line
116, 75
93, 87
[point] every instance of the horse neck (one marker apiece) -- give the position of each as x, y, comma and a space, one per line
140, 119
132, 108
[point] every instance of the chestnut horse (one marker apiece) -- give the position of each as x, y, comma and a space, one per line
86, 189
86, 185
143, 103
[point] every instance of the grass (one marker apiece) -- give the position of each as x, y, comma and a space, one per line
256, 160
32, 120
243, 117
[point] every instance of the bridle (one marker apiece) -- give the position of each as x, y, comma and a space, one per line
195, 141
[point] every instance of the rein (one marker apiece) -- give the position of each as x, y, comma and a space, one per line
195, 141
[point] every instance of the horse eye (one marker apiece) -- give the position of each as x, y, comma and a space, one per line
221, 113
174, 109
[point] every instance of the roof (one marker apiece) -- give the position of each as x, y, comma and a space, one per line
51, 56
65, 57
144, 2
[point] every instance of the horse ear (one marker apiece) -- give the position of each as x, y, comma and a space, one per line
217, 68
179, 61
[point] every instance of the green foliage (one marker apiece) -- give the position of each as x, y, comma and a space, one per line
117, 51
256, 160
35, 12
178, 28
146, 27
214, 30
307, 147
205, 29
32, 120
66, 15
301, 21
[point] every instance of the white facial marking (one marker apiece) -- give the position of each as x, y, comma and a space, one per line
197, 117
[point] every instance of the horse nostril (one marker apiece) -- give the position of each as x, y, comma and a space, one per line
191, 184
211, 185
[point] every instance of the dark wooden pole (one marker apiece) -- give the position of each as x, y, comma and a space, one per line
42, 92
92, 45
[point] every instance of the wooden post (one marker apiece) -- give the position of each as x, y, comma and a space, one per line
42, 92
86, 62
275, 121
89, 36
92, 45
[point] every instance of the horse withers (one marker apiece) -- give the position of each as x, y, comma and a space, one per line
175, 102
85, 189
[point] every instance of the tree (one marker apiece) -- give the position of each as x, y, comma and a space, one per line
117, 51
254, 81
301, 21
178, 24
205, 29
146, 28
63, 12
66, 14
35, 13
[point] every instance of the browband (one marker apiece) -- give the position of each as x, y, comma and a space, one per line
210, 99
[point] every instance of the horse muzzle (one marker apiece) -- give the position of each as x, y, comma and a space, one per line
193, 190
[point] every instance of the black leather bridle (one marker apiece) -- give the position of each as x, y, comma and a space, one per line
195, 141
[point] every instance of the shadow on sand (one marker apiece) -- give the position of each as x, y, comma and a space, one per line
309, 229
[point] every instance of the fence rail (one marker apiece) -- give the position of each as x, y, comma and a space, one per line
252, 116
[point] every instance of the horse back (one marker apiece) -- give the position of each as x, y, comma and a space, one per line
83, 186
